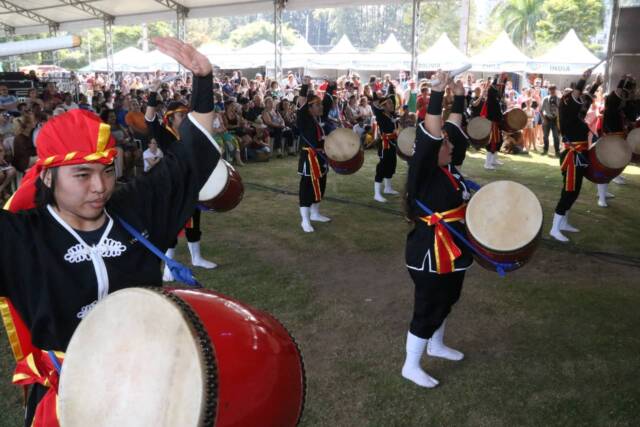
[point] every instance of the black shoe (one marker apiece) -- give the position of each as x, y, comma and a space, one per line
545, 152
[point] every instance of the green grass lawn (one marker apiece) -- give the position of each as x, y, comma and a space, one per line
555, 343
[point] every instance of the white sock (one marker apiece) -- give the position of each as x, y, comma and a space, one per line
315, 214
555, 229
167, 276
196, 258
436, 347
387, 187
377, 192
411, 369
305, 213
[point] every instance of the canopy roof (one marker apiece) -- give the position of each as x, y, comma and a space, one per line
129, 59
35, 16
501, 55
569, 56
442, 55
391, 46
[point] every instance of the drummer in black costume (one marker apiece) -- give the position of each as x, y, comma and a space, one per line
384, 110
453, 128
618, 116
436, 260
312, 166
495, 93
573, 160
165, 130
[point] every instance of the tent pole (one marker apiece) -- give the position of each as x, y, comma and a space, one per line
181, 28
613, 30
415, 23
278, 7
108, 45
465, 11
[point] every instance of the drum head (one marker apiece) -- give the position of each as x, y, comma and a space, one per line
634, 140
479, 128
133, 361
342, 144
516, 118
613, 152
406, 141
216, 183
504, 216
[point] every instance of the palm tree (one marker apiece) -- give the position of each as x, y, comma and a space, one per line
519, 19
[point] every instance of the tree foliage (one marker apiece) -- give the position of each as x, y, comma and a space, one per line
260, 30
584, 16
519, 19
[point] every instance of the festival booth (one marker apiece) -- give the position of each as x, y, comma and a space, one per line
340, 57
388, 56
569, 58
501, 55
443, 55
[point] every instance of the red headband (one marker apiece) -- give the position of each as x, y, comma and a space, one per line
72, 138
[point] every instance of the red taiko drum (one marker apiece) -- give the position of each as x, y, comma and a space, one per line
343, 150
514, 120
504, 223
607, 158
223, 190
634, 142
180, 357
479, 130
406, 143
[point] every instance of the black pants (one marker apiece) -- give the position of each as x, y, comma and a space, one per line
194, 233
568, 198
551, 125
435, 294
386, 167
307, 196
276, 134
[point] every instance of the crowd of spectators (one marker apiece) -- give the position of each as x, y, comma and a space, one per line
255, 117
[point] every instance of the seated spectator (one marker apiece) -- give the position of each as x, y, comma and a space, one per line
351, 112
235, 125
24, 152
290, 132
152, 155
68, 103
275, 124
8, 102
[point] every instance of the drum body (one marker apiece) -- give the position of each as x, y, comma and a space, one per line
607, 159
406, 143
136, 120
223, 190
514, 120
479, 130
344, 154
180, 357
504, 222
634, 142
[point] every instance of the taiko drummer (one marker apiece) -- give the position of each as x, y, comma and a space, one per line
69, 249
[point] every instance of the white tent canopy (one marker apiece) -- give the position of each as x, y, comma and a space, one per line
442, 55
159, 61
501, 55
389, 55
130, 59
570, 56
340, 57
298, 55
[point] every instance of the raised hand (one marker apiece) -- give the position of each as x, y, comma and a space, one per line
458, 88
185, 54
599, 79
587, 73
441, 79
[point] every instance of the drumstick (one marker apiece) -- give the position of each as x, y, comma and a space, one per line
452, 73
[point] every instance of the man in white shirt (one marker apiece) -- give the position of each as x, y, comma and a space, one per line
151, 155
7, 102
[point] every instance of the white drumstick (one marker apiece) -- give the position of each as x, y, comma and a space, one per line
452, 73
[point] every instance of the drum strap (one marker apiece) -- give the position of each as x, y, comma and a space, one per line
315, 172
42, 367
388, 139
446, 250
180, 272
500, 267
569, 163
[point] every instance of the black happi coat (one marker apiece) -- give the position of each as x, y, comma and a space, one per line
428, 183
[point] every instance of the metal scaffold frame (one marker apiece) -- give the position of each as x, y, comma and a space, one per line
415, 26
278, 8
108, 45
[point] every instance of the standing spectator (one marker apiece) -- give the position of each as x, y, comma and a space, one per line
152, 155
422, 103
410, 98
68, 103
550, 120
7, 175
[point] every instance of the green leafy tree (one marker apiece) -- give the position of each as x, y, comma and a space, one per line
584, 16
519, 19
259, 30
